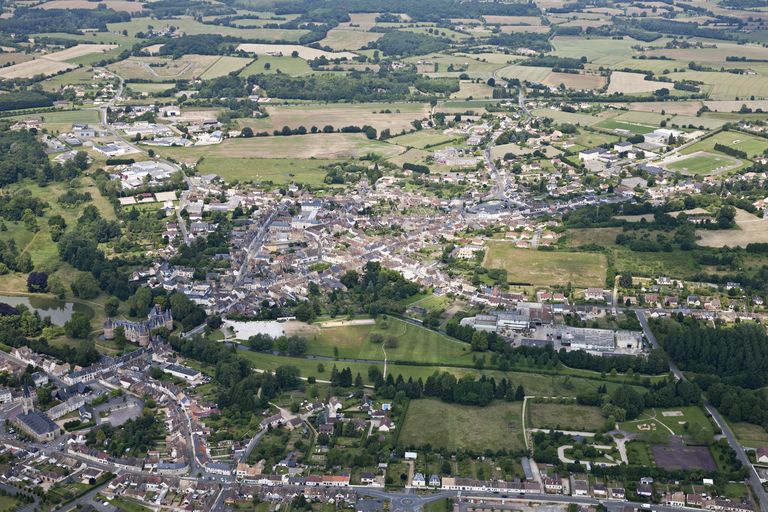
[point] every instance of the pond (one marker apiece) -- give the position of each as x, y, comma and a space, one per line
244, 330
58, 310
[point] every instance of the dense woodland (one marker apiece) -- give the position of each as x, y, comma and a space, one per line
728, 363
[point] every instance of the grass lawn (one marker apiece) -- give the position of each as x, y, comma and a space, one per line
694, 417
414, 343
422, 138
639, 454
750, 435
534, 383
703, 163
9, 503
749, 144
654, 425
277, 170
636, 128
126, 505
564, 416
62, 120
456, 427
582, 269
676, 263
288, 65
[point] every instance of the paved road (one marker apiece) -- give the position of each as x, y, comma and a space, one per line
754, 480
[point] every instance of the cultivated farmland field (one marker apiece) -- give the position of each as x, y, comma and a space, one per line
190, 26
287, 49
41, 66
348, 39
117, 5
546, 267
80, 50
575, 81
633, 83
457, 427
397, 119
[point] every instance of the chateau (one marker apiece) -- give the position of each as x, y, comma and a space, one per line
139, 332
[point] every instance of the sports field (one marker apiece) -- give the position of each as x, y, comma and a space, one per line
528, 266
457, 427
750, 144
704, 163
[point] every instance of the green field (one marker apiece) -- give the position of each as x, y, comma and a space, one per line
750, 144
315, 146
650, 264
456, 427
414, 344
636, 128
703, 163
691, 421
564, 417
286, 64
534, 383
192, 27
639, 454
422, 138
582, 269
224, 66
750, 435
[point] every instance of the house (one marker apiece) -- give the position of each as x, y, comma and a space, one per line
762, 455
5, 396
600, 491
40, 379
675, 499
367, 478
580, 488
594, 294
434, 481
418, 480
553, 484
694, 500
622, 147
645, 490
618, 493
